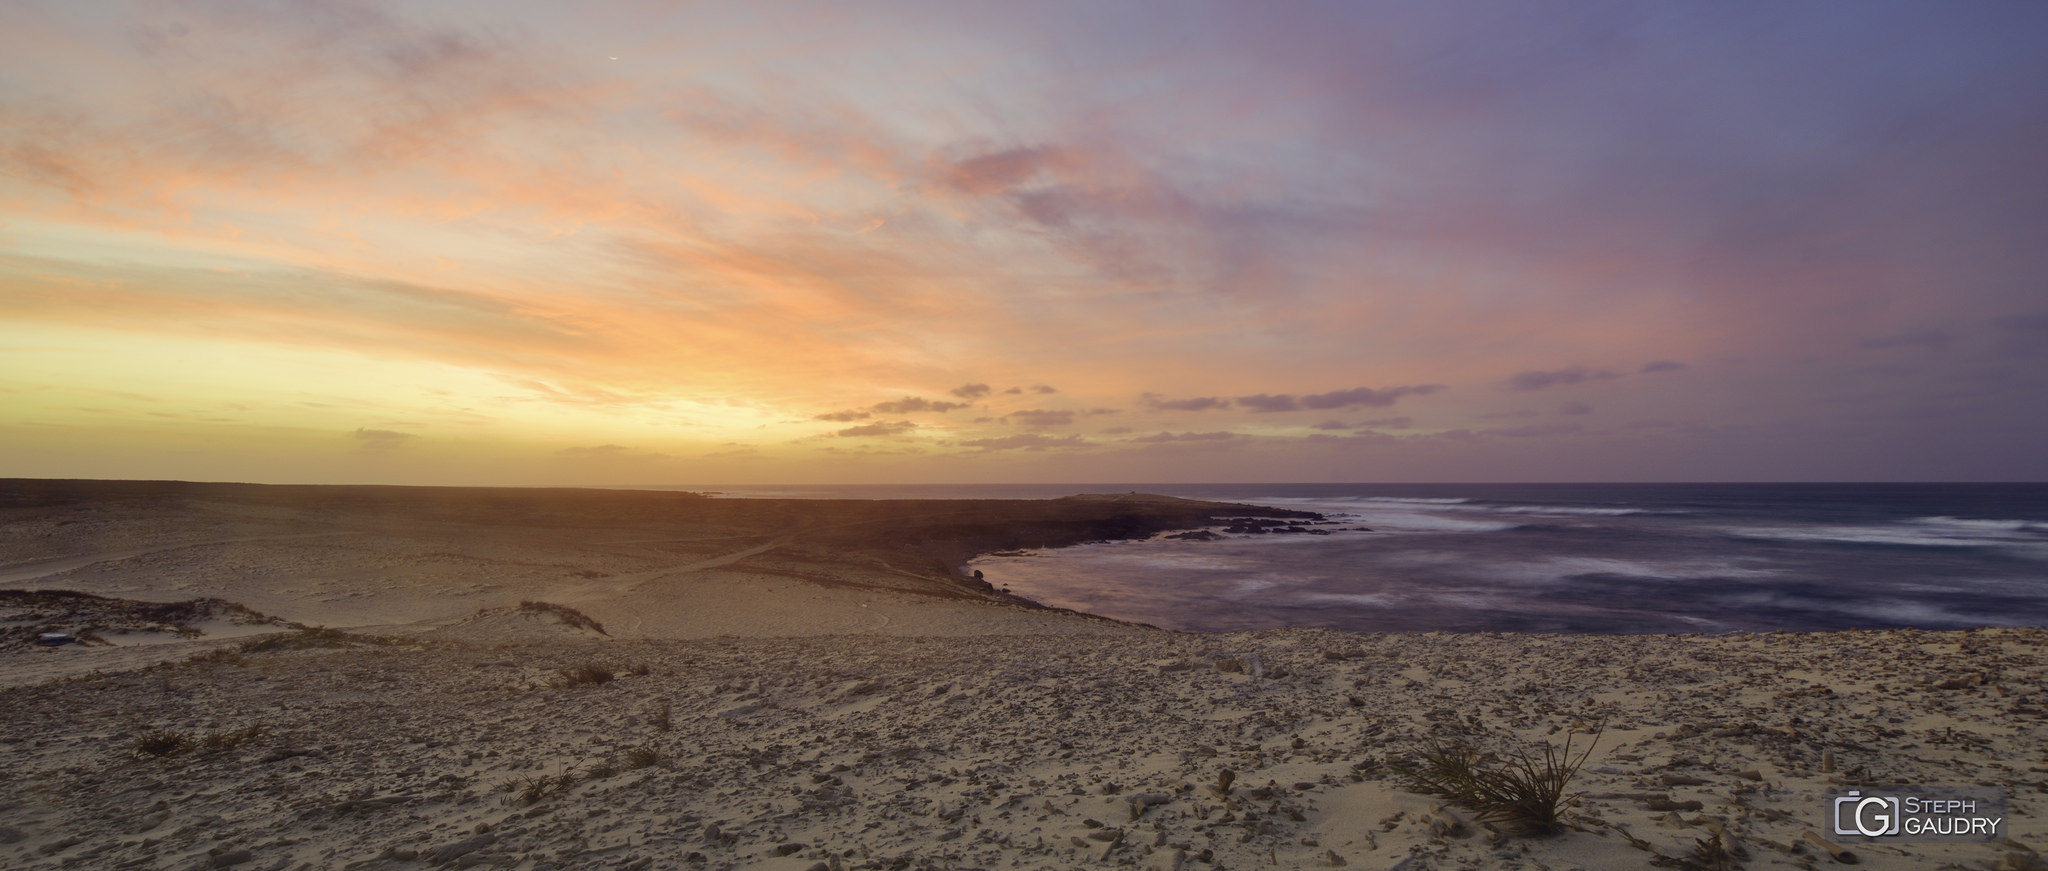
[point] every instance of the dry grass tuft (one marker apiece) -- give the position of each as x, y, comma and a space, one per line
586, 674
601, 769
162, 743
1522, 788
531, 789
228, 740
640, 757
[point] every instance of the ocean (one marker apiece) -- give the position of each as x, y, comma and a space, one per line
1593, 558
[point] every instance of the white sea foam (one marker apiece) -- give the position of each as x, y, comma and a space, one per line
1913, 613
1925, 532
1559, 569
1983, 525
1409, 521
1555, 509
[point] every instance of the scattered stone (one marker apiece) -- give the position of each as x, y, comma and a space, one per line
232, 858
451, 852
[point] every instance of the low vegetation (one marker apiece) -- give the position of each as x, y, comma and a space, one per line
310, 637
228, 739
563, 614
1524, 788
587, 674
163, 742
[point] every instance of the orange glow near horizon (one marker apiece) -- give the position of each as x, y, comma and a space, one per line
397, 244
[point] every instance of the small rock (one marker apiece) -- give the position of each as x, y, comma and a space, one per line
787, 849
451, 852
1145, 800
1335, 860
55, 847
232, 857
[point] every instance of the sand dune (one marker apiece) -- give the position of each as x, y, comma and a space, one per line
806, 685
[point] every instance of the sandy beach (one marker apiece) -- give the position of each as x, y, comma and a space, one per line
416, 678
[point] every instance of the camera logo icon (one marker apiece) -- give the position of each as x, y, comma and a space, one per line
1867, 815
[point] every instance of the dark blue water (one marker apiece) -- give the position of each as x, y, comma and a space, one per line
1610, 558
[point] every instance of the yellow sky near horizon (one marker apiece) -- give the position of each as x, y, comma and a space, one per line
531, 243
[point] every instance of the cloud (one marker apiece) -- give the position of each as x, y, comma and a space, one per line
1333, 425
1366, 396
1536, 430
610, 452
1335, 399
1026, 442
1186, 437
906, 405
1575, 408
594, 451
1157, 402
1519, 414
1662, 366
1042, 389
1537, 380
1388, 422
1036, 417
914, 404
884, 428
971, 391
1262, 402
380, 441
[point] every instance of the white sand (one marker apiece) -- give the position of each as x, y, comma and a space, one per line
862, 720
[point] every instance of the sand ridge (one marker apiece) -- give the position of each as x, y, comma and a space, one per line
1003, 751
804, 687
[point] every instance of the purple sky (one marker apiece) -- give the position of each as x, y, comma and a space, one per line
539, 243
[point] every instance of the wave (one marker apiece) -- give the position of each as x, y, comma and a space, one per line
1412, 522
1921, 532
1562, 569
1546, 509
1986, 525
1391, 514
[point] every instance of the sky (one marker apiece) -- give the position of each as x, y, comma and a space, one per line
526, 243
